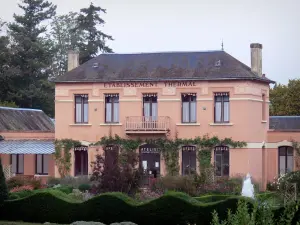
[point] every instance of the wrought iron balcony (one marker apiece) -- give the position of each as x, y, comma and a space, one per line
147, 124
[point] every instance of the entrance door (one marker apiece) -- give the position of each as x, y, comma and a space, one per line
149, 110
149, 162
81, 161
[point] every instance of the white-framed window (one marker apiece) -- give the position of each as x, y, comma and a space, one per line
189, 107
81, 108
111, 108
222, 107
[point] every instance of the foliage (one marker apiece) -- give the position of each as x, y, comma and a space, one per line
68, 182
284, 99
62, 155
3, 186
8, 104
259, 215
22, 188
64, 38
146, 194
80, 196
170, 147
31, 56
184, 184
171, 208
19, 181
116, 172
84, 187
88, 22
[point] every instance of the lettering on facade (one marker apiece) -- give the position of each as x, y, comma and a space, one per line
149, 84
129, 84
149, 149
188, 148
181, 84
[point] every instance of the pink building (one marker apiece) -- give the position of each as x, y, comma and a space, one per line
187, 94
27, 142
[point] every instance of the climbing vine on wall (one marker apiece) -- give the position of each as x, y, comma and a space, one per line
169, 148
62, 155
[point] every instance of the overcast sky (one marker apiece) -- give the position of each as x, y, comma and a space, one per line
196, 25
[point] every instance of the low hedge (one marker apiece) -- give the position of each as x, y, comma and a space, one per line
171, 208
55, 206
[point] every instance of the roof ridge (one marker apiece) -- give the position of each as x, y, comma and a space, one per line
20, 109
159, 52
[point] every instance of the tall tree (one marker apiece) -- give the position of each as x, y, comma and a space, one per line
6, 71
89, 21
64, 38
32, 54
285, 99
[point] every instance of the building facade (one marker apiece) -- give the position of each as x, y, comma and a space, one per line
26, 143
168, 95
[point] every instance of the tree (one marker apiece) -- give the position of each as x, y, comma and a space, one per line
285, 99
64, 38
89, 21
32, 54
3, 186
6, 70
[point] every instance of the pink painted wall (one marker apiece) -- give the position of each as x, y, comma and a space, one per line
29, 165
246, 121
30, 135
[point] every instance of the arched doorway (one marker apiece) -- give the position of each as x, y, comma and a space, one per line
285, 159
149, 162
81, 160
188, 160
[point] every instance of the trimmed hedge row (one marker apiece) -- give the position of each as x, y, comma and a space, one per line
172, 208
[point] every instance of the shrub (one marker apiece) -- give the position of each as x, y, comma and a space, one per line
64, 189
24, 181
84, 187
184, 184
68, 181
52, 181
80, 196
3, 186
171, 208
14, 182
116, 172
22, 188
259, 215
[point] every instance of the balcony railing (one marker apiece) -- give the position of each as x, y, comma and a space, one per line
147, 124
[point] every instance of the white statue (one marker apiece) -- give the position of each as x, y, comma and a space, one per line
248, 188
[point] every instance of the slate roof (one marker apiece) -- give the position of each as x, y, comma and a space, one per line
210, 65
26, 147
18, 119
285, 123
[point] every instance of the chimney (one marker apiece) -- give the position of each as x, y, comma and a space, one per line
73, 59
256, 58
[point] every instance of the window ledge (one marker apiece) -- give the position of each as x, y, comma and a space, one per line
110, 124
221, 124
187, 124
264, 121
80, 124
